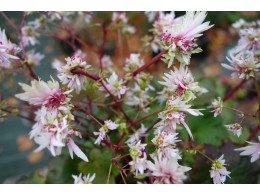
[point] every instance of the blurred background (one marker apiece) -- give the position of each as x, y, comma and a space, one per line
18, 163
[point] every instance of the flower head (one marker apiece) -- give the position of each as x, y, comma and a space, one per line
115, 86
136, 136
139, 157
73, 81
181, 82
218, 172
85, 180
180, 39
235, 128
243, 66
102, 134
165, 143
34, 58
7, 48
167, 170
216, 106
29, 35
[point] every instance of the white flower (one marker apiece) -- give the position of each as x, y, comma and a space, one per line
133, 62
85, 180
139, 164
243, 66
218, 172
216, 106
29, 35
39, 91
73, 81
180, 81
165, 143
235, 128
249, 40
34, 58
7, 48
114, 85
253, 149
180, 39
136, 149
106, 61
177, 104
102, 134
139, 157
136, 136
167, 170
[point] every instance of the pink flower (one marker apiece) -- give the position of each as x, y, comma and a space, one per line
85, 180
167, 170
114, 85
7, 48
243, 66
180, 81
136, 136
29, 35
102, 134
180, 39
166, 144
139, 157
106, 61
216, 106
73, 81
39, 92
218, 172
253, 149
235, 128
34, 58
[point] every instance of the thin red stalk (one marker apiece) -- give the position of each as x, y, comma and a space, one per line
10, 22
32, 74
234, 90
149, 63
253, 134
148, 116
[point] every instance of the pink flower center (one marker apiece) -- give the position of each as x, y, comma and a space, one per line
56, 99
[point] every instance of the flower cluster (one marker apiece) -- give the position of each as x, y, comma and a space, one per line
73, 81
7, 50
178, 36
243, 58
52, 129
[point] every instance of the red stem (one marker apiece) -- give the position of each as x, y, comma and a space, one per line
252, 135
231, 93
150, 62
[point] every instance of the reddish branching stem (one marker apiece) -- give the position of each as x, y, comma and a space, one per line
149, 63
234, 90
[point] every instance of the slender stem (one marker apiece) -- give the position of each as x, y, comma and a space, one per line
254, 133
149, 63
148, 116
231, 93
204, 155
110, 168
233, 109
96, 120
